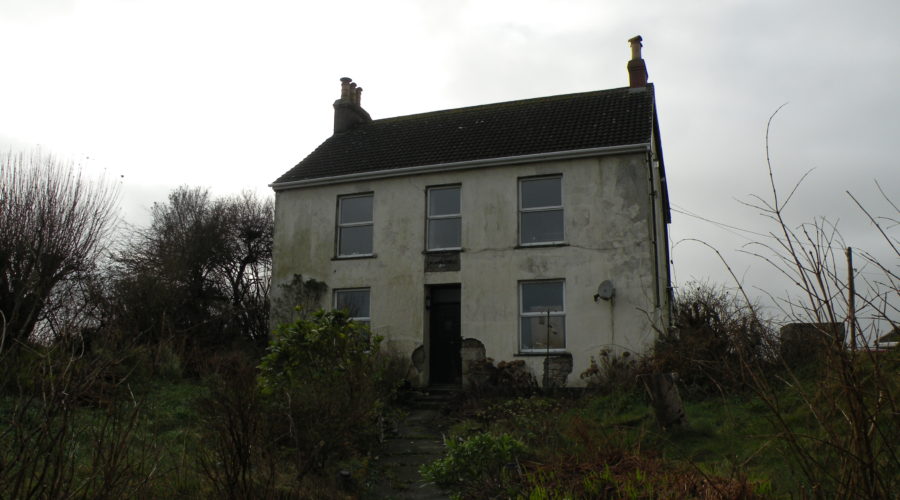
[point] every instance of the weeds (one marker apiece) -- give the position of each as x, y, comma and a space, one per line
612, 373
475, 463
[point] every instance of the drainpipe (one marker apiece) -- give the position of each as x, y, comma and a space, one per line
654, 237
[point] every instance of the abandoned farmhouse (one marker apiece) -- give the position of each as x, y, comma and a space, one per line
525, 230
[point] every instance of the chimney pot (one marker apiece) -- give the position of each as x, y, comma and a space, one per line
347, 111
637, 68
636, 47
345, 88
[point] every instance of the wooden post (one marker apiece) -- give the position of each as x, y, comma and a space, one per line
851, 299
547, 355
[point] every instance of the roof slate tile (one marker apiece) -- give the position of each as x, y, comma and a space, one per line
615, 117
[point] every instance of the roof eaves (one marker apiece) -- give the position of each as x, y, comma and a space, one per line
462, 165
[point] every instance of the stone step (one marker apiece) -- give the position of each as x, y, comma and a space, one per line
417, 439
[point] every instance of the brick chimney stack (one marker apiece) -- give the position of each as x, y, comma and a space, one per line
347, 111
637, 69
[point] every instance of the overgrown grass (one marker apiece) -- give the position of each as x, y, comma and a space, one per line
609, 446
140, 446
82, 425
171, 422
732, 436
596, 445
77, 424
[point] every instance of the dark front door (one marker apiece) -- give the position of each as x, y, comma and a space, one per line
445, 365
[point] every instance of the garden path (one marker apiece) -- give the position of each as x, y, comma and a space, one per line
417, 440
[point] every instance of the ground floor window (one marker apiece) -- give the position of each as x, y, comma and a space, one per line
542, 315
355, 301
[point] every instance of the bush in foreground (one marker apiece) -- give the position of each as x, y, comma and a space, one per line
315, 401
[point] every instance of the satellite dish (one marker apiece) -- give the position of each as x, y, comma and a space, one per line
605, 291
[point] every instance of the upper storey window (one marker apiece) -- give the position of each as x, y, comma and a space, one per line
541, 211
444, 219
355, 224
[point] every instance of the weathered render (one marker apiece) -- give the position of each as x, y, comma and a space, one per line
614, 211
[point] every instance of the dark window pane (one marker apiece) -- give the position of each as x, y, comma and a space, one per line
535, 334
444, 233
538, 297
356, 240
356, 302
541, 193
443, 201
356, 209
540, 227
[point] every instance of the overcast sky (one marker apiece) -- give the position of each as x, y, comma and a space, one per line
229, 95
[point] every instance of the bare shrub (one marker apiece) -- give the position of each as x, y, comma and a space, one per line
716, 335
851, 402
53, 444
238, 459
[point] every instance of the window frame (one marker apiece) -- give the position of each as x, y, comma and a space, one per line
429, 217
367, 320
546, 208
340, 226
553, 314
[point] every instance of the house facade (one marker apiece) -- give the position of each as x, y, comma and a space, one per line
531, 230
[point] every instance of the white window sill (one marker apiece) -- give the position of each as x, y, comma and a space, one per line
541, 352
357, 256
543, 244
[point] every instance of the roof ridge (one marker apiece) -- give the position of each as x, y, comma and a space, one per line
548, 98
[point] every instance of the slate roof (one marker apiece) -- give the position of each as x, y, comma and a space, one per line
586, 120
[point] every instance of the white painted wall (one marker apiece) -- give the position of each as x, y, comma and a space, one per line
608, 229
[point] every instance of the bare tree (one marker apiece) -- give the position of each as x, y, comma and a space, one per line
247, 267
53, 226
200, 272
